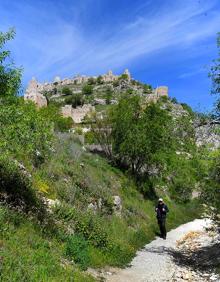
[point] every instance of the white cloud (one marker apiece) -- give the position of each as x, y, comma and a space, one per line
48, 43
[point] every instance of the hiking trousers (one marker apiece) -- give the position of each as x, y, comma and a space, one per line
162, 225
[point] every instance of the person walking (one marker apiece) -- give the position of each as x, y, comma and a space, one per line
162, 210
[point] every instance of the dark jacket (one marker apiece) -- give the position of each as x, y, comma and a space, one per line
161, 211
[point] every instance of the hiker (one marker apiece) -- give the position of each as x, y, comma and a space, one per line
161, 210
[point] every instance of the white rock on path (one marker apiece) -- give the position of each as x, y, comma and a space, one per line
153, 263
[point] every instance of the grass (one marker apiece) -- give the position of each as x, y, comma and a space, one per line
27, 254
75, 177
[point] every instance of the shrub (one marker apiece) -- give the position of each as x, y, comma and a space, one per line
129, 91
10, 77
91, 228
87, 89
67, 91
100, 79
108, 95
52, 113
77, 249
187, 108
147, 88
91, 81
124, 76
74, 100
174, 100
116, 83
90, 138
16, 184
25, 132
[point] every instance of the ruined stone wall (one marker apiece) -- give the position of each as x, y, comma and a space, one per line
160, 91
77, 114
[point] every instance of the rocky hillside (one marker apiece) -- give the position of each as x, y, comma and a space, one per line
71, 94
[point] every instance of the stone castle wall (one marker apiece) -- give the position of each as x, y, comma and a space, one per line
160, 91
77, 114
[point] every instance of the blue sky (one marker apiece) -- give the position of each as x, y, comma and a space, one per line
162, 42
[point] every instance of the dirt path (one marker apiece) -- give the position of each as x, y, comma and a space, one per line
155, 264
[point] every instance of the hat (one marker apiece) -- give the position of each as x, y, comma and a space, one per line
160, 200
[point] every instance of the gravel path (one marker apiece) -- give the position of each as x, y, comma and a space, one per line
153, 263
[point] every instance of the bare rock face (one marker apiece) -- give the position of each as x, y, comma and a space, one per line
33, 93
117, 205
208, 134
92, 207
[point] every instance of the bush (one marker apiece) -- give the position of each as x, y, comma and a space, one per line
100, 79
67, 91
187, 108
124, 76
174, 100
16, 184
10, 76
74, 100
116, 83
77, 249
91, 81
87, 89
25, 132
91, 229
147, 88
60, 123
90, 138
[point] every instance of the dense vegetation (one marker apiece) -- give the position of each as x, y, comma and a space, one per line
150, 152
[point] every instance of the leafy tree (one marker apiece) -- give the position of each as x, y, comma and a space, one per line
215, 76
116, 83
124, 76
129, 91
108, 95
25, 132
52, 113
135, 137
100, 79
147, 88
174, 100
87, 89
140, 136
10, 76
67, 91
75, 100
188, 109
91, 81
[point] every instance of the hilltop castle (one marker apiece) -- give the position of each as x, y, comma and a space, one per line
36, 91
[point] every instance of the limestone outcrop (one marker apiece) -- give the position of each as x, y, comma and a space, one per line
33, 93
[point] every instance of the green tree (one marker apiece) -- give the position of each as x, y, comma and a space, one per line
134, 136
25, 132
108, 95
147, 88
75, 100
91, 81
52, 113
100, 79
87, 89
124, 76
67, 91
10, 76
140, 136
